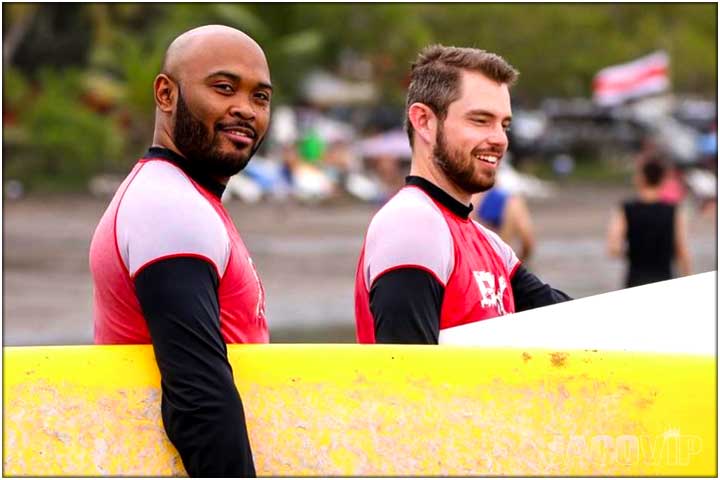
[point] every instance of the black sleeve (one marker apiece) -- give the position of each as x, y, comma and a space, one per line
530, 292
406, 305
201, 408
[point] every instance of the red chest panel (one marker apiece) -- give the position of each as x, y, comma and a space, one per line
479, 286
118, 317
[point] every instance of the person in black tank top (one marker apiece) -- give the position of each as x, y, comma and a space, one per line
649, 232
650, 245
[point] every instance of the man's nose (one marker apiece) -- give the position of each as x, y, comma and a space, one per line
498, 137
243, 108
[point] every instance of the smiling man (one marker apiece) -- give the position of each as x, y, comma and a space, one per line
425, 265
169, 267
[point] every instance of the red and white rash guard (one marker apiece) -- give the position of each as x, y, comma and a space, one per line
169, 268
425, 266
159, 213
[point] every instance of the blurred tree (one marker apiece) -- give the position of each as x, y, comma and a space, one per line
47, 35
58, 141
20, 19
557, 47
388, 36
116, 50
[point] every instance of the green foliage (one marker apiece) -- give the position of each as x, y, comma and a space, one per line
15, 89
558, 48
62, 140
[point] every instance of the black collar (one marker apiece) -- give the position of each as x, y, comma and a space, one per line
441, 196
189, 167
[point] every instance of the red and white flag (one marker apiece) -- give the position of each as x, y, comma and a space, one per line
644, 76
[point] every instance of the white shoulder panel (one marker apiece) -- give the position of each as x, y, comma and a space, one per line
162, 215
409, 230
504, 250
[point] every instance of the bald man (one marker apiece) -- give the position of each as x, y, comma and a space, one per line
168, 266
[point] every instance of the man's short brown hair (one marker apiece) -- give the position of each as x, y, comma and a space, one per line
435, 76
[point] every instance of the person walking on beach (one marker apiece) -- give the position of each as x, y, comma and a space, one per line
649, 232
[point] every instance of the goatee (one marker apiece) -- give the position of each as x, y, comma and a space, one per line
201, 146
458, 169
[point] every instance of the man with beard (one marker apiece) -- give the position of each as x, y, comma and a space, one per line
425, 265
169, 267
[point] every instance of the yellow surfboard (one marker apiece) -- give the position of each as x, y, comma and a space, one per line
327, 410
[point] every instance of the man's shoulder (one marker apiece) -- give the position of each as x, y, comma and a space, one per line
161, 190
409, 231
410, 208
500, 246
162, 214
160, 179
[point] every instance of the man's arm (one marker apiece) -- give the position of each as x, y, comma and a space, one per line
406, 305
518, 215
201, 408
530, 292
617, 229
682, 254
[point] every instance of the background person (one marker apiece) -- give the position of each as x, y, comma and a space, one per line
648, 231
507, 214
168, 265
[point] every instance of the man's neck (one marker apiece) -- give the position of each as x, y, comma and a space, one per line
210, 184
163, 141
428, 171
649, 194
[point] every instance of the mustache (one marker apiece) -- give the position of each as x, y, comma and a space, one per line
485, 151
222, 126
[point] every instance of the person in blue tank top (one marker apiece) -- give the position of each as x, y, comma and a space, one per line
507, 214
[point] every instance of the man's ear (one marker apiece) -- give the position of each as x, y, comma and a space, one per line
165, 93
423, 120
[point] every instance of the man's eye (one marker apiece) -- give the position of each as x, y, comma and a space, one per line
263, 97
224, 87
507, 128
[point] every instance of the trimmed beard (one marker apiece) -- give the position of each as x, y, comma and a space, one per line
200, 146
456, 168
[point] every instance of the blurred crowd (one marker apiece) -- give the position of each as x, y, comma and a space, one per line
314, 153
82, 71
